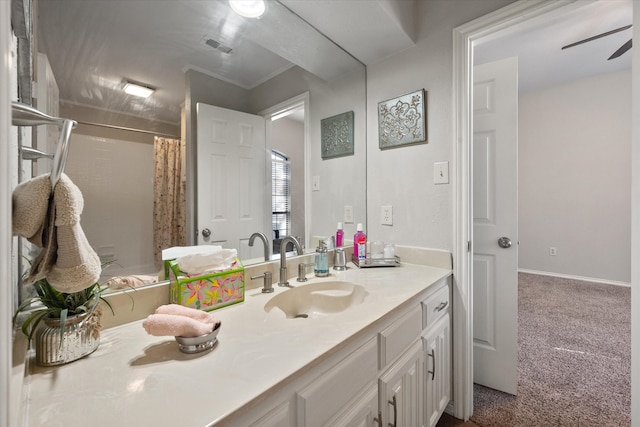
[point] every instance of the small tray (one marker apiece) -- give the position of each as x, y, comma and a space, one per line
376, 262
191, 345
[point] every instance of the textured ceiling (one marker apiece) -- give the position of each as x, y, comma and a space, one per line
93, 45
538, 44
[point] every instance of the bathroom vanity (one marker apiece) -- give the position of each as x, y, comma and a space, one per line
383, 361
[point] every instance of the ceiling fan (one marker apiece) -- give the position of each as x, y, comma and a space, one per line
621, 50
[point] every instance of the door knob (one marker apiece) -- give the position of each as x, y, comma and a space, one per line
504, 242
206, 233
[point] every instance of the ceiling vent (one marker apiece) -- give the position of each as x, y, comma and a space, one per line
216, 45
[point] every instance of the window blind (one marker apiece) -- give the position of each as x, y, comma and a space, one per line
280, 193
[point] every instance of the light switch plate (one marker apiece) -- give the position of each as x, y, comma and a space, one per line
316, 183
441, 173
348, 214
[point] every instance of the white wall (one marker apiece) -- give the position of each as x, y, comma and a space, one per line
342, 180
403, 177
116, 181
575, 178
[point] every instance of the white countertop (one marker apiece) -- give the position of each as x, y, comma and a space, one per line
142, 380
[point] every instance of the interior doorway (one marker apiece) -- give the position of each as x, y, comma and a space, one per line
563, 119
497, 24
287, 135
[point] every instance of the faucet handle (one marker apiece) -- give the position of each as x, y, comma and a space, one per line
268, 281
302, 272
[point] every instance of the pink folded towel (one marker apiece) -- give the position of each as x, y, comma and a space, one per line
179, 310
177, 326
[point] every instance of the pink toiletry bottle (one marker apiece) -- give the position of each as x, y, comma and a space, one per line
339, 235
359, 243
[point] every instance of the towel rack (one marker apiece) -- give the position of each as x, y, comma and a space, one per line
25, 115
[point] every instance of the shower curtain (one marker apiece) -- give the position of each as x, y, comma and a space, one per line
169, 211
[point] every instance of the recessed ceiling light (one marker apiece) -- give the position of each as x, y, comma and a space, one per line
248, 8
136, 89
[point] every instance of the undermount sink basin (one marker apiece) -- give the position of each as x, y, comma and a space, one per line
317, 298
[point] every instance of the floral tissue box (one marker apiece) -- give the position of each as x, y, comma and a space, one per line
205, 291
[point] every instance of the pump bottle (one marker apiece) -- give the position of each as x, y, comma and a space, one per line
321, 267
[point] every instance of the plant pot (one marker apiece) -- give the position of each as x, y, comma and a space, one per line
80, 337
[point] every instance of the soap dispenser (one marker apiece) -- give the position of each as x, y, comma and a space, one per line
321, 266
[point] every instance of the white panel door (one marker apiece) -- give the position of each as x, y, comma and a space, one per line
233, 200
495, 215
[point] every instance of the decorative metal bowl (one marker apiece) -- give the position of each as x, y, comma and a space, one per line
80, 337
191, 345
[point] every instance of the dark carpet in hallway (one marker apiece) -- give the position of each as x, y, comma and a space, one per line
574, 358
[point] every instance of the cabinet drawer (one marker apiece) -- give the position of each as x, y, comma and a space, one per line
334, 389
395, 338
434, 307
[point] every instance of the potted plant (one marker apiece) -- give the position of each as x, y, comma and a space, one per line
69, 323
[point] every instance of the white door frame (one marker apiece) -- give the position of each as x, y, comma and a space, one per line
298, 101
8, 164
495, 24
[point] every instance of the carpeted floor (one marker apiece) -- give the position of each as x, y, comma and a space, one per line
574, 358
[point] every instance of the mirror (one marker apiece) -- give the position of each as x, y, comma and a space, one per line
178, 48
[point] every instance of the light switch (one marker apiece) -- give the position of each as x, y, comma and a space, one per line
348, 214
441, 173
316, 183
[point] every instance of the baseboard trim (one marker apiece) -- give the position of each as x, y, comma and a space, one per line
569, 276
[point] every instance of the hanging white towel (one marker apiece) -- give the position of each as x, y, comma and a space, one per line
67, 260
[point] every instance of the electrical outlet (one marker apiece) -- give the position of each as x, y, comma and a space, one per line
348, 214
386, 215
553, 251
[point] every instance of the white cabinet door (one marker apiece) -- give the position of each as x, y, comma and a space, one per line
401, 390
362, 412
277, 417
437, 343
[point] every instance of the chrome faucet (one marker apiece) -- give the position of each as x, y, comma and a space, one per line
282, 281
265, 243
